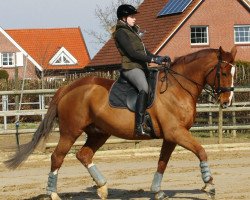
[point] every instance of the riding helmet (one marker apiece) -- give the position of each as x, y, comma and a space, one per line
125, 10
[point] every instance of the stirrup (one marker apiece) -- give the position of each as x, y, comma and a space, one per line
143, 130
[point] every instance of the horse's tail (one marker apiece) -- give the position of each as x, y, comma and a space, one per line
42, 132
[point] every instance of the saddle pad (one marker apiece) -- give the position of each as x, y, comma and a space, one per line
122, 88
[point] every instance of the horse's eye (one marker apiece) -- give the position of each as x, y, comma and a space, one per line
224, 74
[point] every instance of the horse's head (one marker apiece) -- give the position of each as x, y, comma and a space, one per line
221, 77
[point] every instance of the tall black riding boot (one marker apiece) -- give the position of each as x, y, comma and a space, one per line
141, 104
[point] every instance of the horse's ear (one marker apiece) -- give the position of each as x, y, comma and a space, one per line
220, 49
233, 51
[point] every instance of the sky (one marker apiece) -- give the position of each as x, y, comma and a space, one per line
16, 14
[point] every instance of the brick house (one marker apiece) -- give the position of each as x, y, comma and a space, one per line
50, 52
201, 24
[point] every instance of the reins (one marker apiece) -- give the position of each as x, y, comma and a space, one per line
166, 68
213, 92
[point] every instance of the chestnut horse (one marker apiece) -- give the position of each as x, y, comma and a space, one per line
83, 106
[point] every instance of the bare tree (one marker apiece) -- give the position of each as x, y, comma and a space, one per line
107, 19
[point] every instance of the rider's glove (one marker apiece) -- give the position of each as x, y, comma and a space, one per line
160, 59
166, 59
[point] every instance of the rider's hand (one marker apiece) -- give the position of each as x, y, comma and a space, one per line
160, 59
166, 59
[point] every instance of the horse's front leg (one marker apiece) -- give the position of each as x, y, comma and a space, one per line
85, 155
166, 151
183, 137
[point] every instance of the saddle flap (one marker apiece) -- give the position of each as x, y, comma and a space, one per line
131, 99
124, 95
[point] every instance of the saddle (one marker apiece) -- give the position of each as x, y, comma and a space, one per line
124, 95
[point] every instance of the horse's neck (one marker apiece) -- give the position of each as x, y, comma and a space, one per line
191, 76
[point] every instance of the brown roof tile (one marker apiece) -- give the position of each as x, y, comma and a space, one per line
157, 30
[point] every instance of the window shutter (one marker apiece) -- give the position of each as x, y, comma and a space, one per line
0, 60
19, 59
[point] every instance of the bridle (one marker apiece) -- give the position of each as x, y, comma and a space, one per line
219, 89
212, 92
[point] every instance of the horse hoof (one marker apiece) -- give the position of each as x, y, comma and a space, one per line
209, 189
54, 196
103, 192
161, 196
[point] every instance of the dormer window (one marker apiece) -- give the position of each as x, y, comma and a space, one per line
63, 60
63, 57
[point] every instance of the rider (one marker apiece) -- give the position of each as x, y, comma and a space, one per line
135, 59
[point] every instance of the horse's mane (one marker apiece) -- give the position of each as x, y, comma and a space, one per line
192, 56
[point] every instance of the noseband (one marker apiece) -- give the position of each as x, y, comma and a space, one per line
217, 77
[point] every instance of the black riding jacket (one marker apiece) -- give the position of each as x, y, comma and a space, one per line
131, 47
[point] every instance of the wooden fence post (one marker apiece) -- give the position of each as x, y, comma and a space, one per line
16, 89
210, 117
5, 107
234, 121
17, 105
220, 124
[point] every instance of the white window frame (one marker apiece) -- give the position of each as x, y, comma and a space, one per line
63, 59
8, 59
199, 43
246, 34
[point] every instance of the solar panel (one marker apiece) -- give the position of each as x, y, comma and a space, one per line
174, 6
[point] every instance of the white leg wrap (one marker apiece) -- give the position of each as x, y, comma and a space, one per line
52, 183
96, 175
205, 171
156, 184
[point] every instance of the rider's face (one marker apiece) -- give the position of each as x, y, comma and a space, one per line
131, 20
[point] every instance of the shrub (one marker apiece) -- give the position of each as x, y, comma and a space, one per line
4, 74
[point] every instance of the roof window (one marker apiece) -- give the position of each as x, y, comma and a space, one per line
63, 57
174, 7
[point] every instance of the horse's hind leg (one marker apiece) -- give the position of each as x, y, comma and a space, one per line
166, 151
65, 143
95, 139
